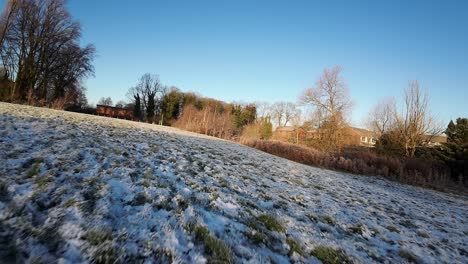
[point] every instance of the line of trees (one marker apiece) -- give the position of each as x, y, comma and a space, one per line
154, 102
329, 102
42, 60
207, 116
330, 106
402, 130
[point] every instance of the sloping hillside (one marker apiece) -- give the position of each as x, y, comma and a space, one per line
92, 189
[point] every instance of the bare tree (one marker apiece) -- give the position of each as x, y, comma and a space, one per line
150, 86
330, 94
330, 99
296, 122
415, 120
381, 118
146, 95
263, 110
105, 101
120, 104
313, 118
6, 18
209, 120
40, 50
282, 113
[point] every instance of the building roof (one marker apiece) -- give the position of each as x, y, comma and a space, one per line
112, 107
363, 132
442, 138
285, 129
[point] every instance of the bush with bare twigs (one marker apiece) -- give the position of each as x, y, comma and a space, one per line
406, 170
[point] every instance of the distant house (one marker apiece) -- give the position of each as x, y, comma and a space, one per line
434, 140
353, 135
284, 133
116, 112
366, 138
285, 129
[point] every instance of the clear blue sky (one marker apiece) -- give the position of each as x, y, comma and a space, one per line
271, 50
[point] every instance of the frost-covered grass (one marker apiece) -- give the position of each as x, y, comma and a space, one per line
81, 188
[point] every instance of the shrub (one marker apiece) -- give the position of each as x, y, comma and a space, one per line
259, 130
413, 171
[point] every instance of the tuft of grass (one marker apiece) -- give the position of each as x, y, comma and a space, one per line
223, 183
271, 223
294, 246
34, 170
217, 250
146, 183
265, 197
163, 255
69, 203
164, 204
393, 229
281, 205
247, 203
258, 237
140, 199
42, 182
422, 234
98, 236
189, 158
408, 224
201, 166
106, 254
183, 204
328, 219
357, 229
3, 187
312, 217
318, 187
45, 235
329, 255
410, 257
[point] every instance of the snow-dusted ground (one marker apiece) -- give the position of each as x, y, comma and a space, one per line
79, 188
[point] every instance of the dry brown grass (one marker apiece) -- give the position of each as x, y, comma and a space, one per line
410, 171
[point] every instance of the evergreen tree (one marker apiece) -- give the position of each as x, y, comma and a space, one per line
244, 115
458, 133
171, 105
150, 109
137, 107
266, 129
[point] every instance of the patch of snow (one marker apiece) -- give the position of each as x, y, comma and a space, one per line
140, 188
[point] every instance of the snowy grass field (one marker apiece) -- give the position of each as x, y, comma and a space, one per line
86, 189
